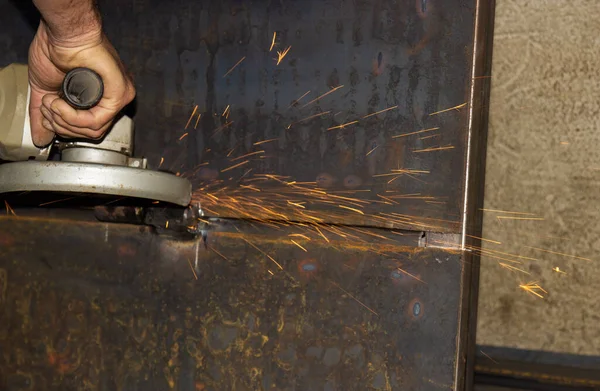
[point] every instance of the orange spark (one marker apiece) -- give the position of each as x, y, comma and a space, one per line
273, 41
270, 272
321, 233
281, 55
298, 100
235, 166
371, 151
9, 209
219, 254
518, 218
323, 95
355, 299
434, 149
261, 251
307, 118
197, 120
297, 244
379, 112
225, 111
451, 108
506, 212
191, 116
513, 268
55, 201
183, 136
246, 155
265, 141
417, 132
191, 267
564, 143
217, 130
233, 67
352, 209
534, 288
410, 275
557, 253
426, 137
557, 269
485, 240
342, 126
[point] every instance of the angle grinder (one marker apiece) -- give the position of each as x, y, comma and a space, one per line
106, 166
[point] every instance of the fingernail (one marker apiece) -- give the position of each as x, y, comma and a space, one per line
47, 124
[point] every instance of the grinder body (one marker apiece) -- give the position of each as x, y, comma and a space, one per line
106, 166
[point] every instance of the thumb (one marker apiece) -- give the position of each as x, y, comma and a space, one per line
41, 136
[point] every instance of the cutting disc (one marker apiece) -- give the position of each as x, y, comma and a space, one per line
94, 178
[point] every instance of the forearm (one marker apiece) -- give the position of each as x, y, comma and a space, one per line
68, 20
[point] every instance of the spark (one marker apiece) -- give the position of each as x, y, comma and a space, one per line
513, 268
426, 137
451, 108
298, 100
246, 155
273, 41
557, 253
307, 118
321, 233
183, 136
557, 269
519, 218
358, 301
261, 251
167, 224
417, 132
434, 149
191, 116
342, 126
55, 201
197, 120
9, 209
233, 67
235, 166
564, 143
297, 244
482, 352
410, 275
352, 209
270, 272
265, 141
219, 254
534, 288
506, 212
225, 111
371, 151
281, 55
217, 130
323, 95
379, 112
192, 267
485, 240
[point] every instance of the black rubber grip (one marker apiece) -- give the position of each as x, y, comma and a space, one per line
82, 88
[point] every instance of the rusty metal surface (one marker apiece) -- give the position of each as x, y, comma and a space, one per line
132, 315
415, 55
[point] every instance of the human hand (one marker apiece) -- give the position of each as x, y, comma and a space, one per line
50, 58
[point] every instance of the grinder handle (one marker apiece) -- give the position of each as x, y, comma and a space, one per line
82, 88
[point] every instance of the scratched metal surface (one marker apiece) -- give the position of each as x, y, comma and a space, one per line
415, 55
130, 315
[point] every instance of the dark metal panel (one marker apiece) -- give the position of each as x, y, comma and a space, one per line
107, 307
415, 55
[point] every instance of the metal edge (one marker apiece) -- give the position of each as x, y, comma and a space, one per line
474, 186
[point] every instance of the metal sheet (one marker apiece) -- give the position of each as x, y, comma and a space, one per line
414, 56
252, 312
